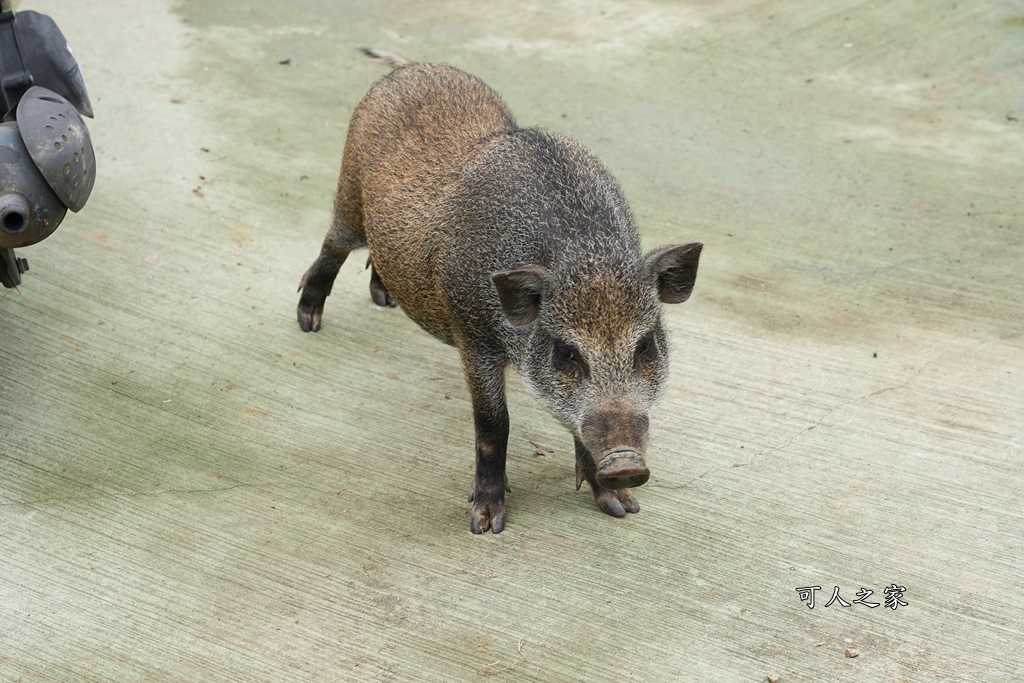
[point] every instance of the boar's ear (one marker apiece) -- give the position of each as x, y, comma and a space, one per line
520, 292
675, 269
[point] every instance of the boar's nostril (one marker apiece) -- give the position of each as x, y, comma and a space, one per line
622, 469
624, 481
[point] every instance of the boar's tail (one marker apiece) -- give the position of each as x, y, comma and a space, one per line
393, 60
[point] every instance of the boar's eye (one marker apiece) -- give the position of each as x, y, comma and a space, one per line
567, 359
646, 351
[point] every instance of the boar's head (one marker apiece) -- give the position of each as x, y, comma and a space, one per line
595, 351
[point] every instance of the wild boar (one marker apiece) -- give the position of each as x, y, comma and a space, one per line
516, 246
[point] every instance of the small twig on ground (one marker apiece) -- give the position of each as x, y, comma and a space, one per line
498, 667
541, 449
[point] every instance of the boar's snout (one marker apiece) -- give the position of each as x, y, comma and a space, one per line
616, 439
622, 469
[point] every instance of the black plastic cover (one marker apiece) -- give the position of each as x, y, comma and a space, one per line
59, 143
33, 51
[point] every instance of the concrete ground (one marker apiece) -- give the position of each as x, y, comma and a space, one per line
192, 489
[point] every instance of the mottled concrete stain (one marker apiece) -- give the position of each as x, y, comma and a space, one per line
579, 30
839, 147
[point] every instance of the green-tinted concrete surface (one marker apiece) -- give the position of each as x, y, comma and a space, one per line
193, 490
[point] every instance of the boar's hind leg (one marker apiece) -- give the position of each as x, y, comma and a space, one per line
378, 292
316, 285
486, 378
317, 282
615, 502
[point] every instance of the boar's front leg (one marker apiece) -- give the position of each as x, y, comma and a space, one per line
485, 375
615, 502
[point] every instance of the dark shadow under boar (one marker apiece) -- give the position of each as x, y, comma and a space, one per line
516, 246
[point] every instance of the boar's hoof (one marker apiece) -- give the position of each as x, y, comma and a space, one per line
487, 515
311, 309
622, 469
378, 292
380, 295
616, 503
